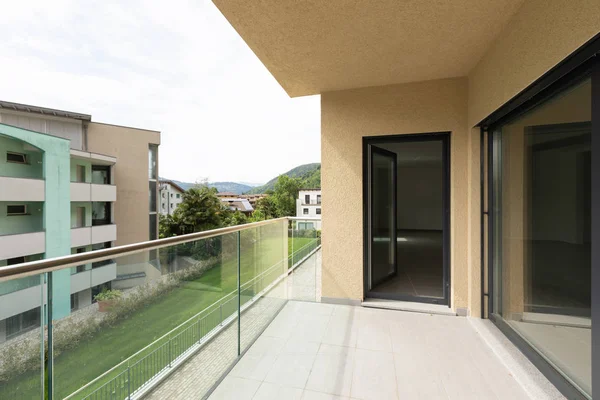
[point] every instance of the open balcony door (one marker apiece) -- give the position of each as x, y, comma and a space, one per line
382, 224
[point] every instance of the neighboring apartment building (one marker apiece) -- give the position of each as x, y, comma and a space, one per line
171, 195
69, 185
459, 144
308, 205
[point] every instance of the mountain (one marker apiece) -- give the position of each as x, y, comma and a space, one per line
309, 174
233, 187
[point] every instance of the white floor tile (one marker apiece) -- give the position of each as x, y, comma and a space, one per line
342, 330
296, 346
374, 334
266, 345
310, 395
254, 367
373, 377
291, 370
235, 388
332, 370
272, 391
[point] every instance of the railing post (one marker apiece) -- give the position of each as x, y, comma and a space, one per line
220, 313
170, 358
49, 305
128, 382
239, 280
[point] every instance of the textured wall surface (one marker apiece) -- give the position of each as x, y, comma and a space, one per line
539, 36
347, 116
130, 147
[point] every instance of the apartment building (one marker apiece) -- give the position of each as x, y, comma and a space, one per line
171, 195
69, 185
308, 205
459, 146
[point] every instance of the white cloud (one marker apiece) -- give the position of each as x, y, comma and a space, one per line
181, 69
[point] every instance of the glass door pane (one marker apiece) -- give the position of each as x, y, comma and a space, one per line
383, 215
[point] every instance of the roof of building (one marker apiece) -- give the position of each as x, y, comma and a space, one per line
227, 194
43, 110
242, 205
306, 190
176, 186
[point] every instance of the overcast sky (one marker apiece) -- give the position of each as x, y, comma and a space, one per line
177, 67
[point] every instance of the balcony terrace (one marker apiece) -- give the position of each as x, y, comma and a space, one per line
235, 313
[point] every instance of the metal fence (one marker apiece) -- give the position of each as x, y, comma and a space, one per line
184, 341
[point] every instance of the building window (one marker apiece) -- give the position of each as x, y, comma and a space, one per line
16, 209
101, 174
152, 195
171, 205
17, 158
318, 199
305, 211
307, 199
153, 227
164, 195
101, 213
178, 196
152, 164
15, 261
22, 322
541, 229
74, 301
318, 211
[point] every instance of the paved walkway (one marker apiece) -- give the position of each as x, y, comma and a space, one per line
195, 378
315, 351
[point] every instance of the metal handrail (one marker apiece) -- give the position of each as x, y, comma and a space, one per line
57, 263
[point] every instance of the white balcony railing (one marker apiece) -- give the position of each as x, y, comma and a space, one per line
93, 234
94, 277
21, 189
22, 244
93, 192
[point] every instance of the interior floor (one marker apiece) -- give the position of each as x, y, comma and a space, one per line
551, 289
420, 263
568, 348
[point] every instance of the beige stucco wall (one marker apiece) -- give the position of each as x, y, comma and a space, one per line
538, 37
130, 147
347, 116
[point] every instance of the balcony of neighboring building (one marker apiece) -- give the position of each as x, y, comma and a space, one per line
91, 177
21, 171
91, 223
21, 229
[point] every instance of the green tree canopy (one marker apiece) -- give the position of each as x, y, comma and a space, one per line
284, 197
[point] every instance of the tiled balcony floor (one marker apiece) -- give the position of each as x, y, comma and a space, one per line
322, 351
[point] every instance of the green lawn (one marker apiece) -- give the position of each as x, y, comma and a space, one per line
108, 347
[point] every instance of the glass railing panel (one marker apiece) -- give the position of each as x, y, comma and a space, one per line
21, 338
304, 238
263, 273
144, 314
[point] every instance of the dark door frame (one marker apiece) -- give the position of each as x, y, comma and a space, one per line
394, 227
582, 64
369, 141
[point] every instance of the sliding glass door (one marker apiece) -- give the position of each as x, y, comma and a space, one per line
541, 230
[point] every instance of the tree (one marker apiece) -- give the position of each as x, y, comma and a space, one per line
265, 209
284, 197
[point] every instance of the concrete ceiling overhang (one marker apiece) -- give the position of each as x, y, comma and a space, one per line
315, 46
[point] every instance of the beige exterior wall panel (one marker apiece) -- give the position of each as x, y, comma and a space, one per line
130, 147
539, 36
347, 116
